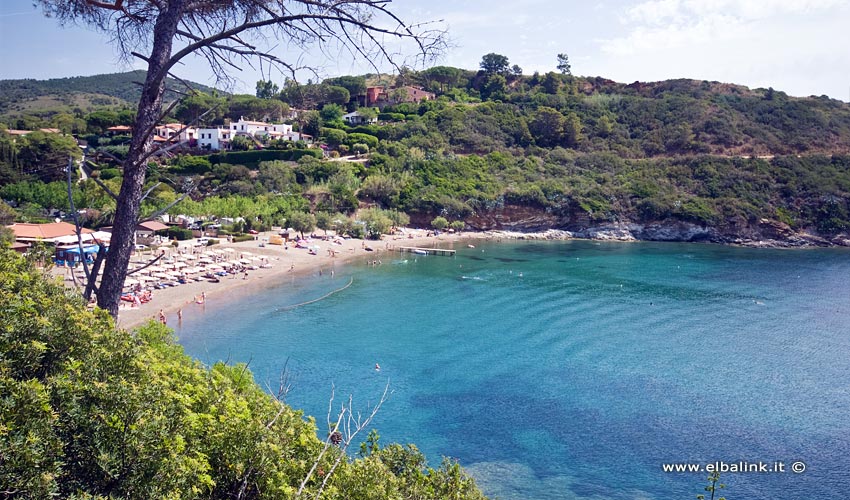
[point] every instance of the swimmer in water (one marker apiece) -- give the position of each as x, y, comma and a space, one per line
377, 367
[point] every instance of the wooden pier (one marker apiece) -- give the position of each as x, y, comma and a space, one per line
426, 251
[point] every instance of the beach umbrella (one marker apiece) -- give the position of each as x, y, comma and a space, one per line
229, 249
256, 259
244, 261
214, 267
155, 269
130, 282
180, 264
247, 253
189, 257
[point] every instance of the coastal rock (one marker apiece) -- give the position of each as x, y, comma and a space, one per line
534, 223
675, 231
609, 232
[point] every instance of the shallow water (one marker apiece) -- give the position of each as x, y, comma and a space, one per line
575, 369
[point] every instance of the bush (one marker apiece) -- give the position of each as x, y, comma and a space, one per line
243, 237
83, 400
188, 164
355, 138
391, 117
212, 241
179, 233
439, 223
252, 159
458, 225
109, 173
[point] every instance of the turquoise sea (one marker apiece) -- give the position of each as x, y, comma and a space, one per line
574, 370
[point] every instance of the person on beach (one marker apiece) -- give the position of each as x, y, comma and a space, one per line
162, 318
180, 315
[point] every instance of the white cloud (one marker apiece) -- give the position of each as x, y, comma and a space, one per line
793, 45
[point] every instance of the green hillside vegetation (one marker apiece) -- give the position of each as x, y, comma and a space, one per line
569, 152
90, 411
28, 97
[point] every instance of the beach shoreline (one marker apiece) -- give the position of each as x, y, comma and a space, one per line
287, 264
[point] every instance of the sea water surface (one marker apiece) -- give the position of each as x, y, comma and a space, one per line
574, 370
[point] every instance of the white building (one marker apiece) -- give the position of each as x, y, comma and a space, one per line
255, 129
214, 139
356, 118
171, 130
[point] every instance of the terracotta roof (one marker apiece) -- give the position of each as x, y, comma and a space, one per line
26, 231
51, 130
159, 138
12, 131
152, 225
119, 128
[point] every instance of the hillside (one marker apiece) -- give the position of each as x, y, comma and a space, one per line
28, 96
678, 159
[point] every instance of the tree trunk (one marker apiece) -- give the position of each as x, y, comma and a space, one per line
135, 165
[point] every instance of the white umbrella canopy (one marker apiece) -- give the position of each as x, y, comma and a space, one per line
244, 261
247, 253
130, 282
189, 257
229, 249
180, 264
155, 269
214, 267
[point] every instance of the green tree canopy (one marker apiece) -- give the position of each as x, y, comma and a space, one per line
266, 89
90, 411
564, 64
493, 63
355, 85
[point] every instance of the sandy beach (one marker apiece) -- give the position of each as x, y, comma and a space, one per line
286, 264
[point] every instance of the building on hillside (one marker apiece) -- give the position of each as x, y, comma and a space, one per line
382, 96
119, 130
356, 118
176, 132
411, 94
255, 129
214, 139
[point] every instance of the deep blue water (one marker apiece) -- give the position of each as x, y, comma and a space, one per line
574, 369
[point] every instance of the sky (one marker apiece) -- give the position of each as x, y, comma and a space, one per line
801, 47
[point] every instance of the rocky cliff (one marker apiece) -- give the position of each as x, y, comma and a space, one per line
529, 222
